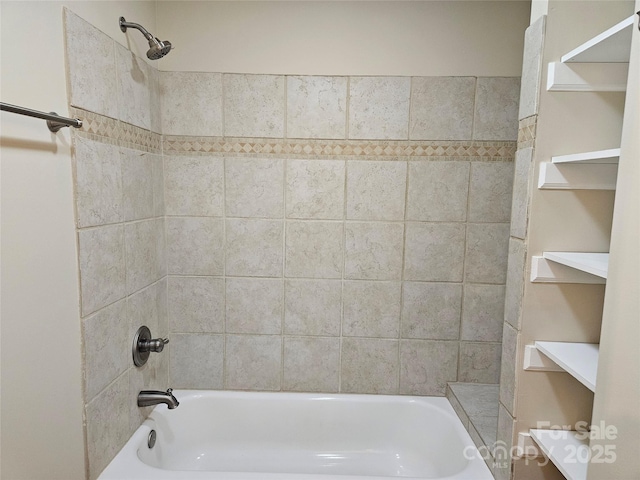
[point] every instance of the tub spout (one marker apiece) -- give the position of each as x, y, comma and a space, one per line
147, 398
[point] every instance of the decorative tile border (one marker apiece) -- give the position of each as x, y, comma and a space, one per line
109, 130
527, 132
331, 149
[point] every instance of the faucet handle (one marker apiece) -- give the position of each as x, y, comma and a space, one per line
143, 344
155, 345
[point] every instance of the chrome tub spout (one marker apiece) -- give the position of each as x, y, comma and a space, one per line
147, 398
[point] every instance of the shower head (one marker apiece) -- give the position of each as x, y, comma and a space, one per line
158, 49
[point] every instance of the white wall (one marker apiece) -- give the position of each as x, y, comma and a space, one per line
618, 394
42, 432
422, 38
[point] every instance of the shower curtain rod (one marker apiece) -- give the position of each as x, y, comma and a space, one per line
54, 121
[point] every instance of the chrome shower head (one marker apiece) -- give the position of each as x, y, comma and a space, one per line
157, 48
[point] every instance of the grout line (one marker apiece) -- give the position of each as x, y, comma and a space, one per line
464, 272
285, 114
223, 103
285, 164
475, 101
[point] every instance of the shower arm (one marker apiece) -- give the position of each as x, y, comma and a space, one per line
124, 25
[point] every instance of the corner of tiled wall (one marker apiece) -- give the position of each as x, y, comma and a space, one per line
517, 268
119, 194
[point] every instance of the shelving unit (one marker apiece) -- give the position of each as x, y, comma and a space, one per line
568, 450
598, 65
578, 359
593, 263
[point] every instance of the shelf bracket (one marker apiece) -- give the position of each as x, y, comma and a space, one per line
587, 77
595, 176
546, 271
535, 361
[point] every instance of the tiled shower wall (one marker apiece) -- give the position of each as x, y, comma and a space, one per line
287, 233
118, 172
336, 234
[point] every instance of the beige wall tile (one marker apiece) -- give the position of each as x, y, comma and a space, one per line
195, 246
91, 66
253, 362
106, 346
373, 251
313, 307
314, 249
521, 193
506, 427
107, 433
434, 252
508, 367
482, 313
161, 246
158, 185
315, 189
148, 307
426, 366
369, 365
191, 103
98, 172
442, 108
490, 191
134, 88
371, 309
431, 310
496, 110
438, 191
102, 267
155, 100
376, 190
196, 304
254, 248
254, 187
137, 184
516, 269
379, 107
254, 105
141, 254
194, 186
479, 362
532, 68
316, 107
487, 252
311, 364
196, 361
254, 305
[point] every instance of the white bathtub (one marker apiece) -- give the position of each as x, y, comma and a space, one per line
289, 436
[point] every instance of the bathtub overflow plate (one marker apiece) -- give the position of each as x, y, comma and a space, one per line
151, 440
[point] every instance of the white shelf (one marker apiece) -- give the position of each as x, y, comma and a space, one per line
578, 359
611, 46
600, 156
589, 176
566, 449
593, 263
